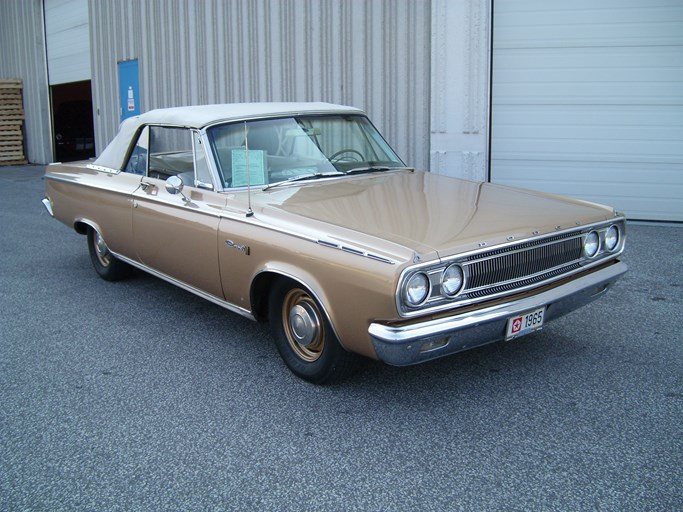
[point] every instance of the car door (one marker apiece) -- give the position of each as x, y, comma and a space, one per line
175, 233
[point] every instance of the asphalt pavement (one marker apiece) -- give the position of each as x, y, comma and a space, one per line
138, 396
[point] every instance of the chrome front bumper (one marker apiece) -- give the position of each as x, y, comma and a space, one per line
422, 341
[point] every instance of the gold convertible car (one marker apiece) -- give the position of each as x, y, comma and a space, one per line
300, 214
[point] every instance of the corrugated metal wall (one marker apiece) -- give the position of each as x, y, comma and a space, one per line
22, 55
371, 54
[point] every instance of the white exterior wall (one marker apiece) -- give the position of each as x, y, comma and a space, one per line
587, 97
370, 54
588, 101
419, 68
68, 41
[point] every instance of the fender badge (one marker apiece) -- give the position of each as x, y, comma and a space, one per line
244, 249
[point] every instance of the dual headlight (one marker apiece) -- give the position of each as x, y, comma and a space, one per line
418, 287
606, 240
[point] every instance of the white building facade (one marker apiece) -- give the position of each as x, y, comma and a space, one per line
582, 98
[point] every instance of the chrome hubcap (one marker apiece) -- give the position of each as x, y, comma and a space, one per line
102, 250
303, 325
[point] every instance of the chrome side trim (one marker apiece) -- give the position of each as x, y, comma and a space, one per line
254, 221
180, 284
357, 252
402, 345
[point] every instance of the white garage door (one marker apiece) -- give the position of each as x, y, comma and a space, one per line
67, 37
588, 101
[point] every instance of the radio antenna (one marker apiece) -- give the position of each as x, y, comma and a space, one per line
250, 212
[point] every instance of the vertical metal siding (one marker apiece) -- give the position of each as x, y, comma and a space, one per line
22, 55
373, 55
460, 86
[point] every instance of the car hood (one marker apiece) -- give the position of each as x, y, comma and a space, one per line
427, 214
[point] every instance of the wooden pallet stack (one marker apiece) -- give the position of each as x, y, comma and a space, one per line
11, 123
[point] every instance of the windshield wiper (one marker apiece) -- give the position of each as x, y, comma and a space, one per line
376, 168
302, 177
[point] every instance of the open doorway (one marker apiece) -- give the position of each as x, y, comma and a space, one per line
74, 134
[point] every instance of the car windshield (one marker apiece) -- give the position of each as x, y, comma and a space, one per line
272, 151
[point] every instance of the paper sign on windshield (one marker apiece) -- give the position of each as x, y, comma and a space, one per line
257, 168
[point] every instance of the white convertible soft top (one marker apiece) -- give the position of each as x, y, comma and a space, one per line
200, 116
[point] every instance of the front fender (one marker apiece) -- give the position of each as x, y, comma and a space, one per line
352, 290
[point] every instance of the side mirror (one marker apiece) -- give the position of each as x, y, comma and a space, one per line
174, 185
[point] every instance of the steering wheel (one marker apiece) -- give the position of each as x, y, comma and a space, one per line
336, 157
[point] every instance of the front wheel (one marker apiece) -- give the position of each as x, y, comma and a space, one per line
106, 265
304, 337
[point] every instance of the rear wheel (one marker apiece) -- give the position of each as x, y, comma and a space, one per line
106, 264
304, 337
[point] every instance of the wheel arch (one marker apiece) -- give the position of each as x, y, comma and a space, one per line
81, 226
263, 283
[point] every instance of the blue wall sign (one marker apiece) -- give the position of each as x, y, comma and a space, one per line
129, 88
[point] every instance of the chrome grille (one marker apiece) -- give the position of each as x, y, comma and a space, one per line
524, 282
506, 269
492, 273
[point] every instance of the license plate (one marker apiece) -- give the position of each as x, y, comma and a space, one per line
525, 323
